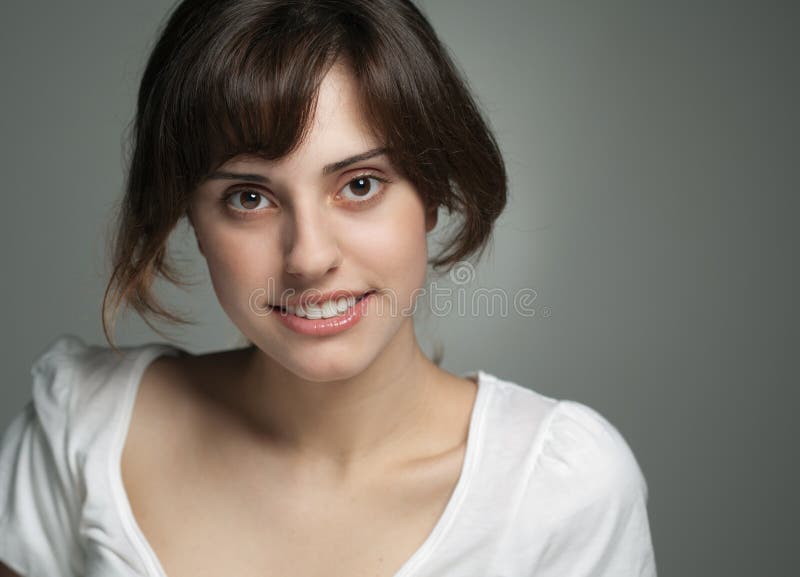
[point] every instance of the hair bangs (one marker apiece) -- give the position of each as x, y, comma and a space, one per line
255, 96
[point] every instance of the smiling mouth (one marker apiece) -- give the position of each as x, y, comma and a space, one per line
325, 310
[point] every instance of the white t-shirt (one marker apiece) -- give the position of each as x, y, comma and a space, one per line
548, 488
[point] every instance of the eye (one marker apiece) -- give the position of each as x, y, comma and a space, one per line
246, 200
363, 188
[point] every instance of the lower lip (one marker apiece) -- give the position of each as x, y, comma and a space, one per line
325, 327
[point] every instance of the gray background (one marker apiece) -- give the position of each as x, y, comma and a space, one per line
653, 157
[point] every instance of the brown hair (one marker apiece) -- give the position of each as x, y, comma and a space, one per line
241, 76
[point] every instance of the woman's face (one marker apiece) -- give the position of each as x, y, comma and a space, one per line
309, 223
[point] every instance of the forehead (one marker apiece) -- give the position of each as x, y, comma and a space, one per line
337, 129
338, 108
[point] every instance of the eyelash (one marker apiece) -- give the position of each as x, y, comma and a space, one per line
358, 204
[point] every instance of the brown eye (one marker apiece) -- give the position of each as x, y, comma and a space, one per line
247, 200
361, 188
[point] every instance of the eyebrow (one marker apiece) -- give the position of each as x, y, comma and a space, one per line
328, 169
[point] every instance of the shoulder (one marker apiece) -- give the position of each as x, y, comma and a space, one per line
73, 380
40, 482
177, 397
66, 372
581, 475
53, 454
587, 498
62, 377
77, 390
179, 388
565, 444
589, 454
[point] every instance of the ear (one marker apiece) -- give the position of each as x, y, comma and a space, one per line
431, 217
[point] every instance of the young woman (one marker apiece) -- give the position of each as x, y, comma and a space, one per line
310, 144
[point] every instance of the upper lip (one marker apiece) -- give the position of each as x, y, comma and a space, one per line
316, 298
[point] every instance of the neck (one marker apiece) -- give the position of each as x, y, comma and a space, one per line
345, 421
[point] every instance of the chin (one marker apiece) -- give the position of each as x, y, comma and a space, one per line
318, 364
323, 370
335, 358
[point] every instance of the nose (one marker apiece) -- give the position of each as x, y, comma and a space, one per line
311, 246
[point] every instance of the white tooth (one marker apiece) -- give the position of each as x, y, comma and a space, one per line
329, 309
313, 312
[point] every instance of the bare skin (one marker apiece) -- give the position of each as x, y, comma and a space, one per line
230, 499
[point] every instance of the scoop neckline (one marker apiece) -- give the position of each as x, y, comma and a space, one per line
149, 353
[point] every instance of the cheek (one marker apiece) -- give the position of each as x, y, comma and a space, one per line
238, 264
394, 245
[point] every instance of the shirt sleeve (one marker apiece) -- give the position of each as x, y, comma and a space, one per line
39, 491
602, 529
